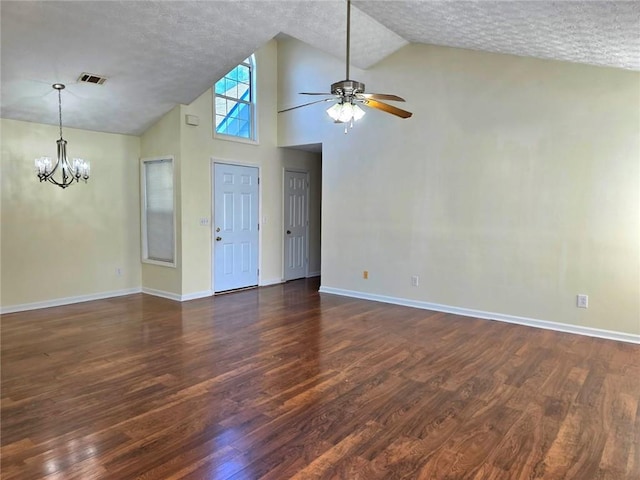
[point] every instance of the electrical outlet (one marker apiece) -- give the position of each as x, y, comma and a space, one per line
365, 274
583, 301
415, 281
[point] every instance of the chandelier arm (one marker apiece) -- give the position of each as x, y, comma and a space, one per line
66, 180
55, 182
65, 174
55, 167
61, 155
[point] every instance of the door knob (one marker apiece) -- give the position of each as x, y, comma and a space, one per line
288, 232
218, 239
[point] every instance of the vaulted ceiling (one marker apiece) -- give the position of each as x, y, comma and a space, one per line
156, 54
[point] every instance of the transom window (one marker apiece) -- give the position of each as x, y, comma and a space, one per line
234, 102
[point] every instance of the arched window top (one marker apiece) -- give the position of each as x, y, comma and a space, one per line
235, 101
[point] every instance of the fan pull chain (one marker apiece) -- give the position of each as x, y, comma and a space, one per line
348, 126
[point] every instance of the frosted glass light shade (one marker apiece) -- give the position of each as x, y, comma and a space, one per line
345, 112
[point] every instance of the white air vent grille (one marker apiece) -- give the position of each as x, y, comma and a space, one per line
91, 78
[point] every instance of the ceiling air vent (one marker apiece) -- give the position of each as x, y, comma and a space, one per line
91, 78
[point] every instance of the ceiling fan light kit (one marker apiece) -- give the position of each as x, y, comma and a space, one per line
349, 93
345, 112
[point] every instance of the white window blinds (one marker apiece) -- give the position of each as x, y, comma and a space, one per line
158, 221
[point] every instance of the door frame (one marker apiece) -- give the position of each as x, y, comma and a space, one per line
212, 172
284, 203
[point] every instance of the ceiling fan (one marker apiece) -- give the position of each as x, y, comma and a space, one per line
349, 94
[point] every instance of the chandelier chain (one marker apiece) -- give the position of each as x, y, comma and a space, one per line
60, 112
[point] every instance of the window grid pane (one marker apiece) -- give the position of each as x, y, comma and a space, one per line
233, 102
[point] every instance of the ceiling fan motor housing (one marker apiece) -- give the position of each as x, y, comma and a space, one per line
347, 88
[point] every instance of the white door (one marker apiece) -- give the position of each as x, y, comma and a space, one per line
296, 224
235, 227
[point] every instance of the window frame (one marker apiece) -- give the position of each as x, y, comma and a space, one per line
249, 62
143, 211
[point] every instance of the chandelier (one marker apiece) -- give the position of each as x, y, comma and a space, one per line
78, 169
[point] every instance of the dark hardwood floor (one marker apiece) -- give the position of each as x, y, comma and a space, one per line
282, 382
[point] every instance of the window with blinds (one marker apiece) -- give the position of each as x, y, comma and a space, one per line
158, 213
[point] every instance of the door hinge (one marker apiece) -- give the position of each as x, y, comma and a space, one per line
258, 271
258, 180
258, 227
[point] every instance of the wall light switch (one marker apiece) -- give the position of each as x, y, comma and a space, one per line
204, 221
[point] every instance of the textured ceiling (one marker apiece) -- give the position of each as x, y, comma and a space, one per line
160, 53
598, 33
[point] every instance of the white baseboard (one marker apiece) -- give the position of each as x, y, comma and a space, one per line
271, 281
466, 312
196, 295
68, 300
161, 293
313, 274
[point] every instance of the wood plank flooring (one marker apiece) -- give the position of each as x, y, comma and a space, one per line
282, 382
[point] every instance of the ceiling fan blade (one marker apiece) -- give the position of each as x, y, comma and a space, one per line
315, 93
385, 107
306, 104
381, 96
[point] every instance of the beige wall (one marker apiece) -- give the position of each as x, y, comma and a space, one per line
195, 147
100, 229
161, 140
514, 187
59, 243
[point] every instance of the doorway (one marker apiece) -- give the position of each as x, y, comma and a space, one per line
235, 227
